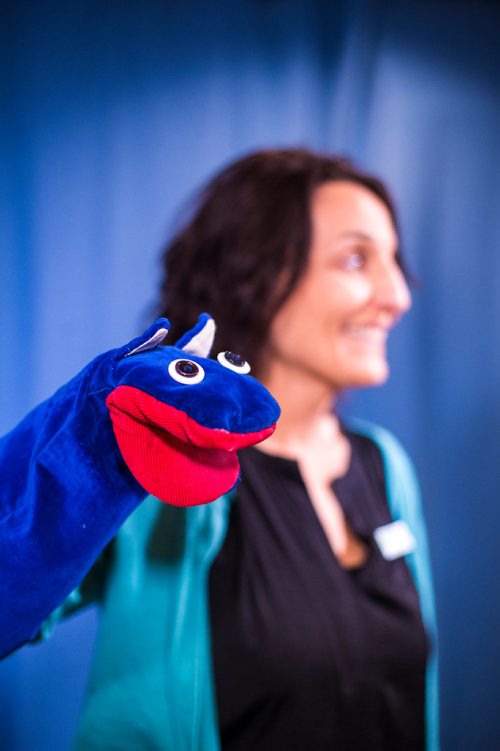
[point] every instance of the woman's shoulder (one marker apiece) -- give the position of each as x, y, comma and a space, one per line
400, 477
389, 445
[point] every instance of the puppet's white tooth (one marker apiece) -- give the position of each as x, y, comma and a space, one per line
201, 343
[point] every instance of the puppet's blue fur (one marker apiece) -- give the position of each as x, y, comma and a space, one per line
65, 489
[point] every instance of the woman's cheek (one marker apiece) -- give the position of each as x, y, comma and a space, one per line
352, 290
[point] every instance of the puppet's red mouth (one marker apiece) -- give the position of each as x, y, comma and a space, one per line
170, 454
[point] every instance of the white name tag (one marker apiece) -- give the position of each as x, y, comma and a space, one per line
394, 540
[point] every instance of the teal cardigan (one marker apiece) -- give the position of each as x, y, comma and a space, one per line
151, 686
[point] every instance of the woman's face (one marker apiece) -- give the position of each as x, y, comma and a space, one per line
335, 324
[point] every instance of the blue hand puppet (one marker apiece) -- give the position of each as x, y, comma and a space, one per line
140, 419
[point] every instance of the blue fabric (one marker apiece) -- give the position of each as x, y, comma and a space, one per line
65, 488
113, 113
152, 684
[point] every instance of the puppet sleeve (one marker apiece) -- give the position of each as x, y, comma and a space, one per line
65, 491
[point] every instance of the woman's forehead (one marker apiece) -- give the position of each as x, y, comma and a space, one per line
348, 210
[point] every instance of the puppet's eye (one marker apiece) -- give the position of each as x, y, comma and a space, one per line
233, 362
186, 371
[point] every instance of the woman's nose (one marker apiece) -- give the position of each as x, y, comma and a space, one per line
392, 290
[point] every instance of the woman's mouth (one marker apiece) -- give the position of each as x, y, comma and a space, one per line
368, 334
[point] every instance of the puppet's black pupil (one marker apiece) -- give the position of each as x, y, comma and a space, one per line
187, 368
234, 359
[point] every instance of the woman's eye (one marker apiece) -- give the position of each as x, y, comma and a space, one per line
186, 371
353, 261
234, 362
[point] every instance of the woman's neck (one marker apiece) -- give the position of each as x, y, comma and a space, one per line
306, 412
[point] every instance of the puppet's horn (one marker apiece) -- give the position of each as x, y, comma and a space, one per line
199, 340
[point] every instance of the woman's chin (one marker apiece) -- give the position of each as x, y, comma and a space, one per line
374, 374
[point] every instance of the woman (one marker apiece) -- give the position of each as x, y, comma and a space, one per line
289, 614
297, 257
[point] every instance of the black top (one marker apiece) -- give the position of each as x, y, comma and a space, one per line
307, 654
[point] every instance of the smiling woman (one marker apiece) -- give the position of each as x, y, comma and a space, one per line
296, 611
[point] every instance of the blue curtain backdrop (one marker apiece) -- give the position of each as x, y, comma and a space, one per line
112, 113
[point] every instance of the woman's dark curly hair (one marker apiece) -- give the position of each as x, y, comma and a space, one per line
246, 244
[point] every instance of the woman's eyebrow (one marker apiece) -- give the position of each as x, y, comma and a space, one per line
355, 234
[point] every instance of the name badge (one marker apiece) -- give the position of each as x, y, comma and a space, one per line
394, 540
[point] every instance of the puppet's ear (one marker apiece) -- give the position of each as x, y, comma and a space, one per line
152, 337
199, 339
